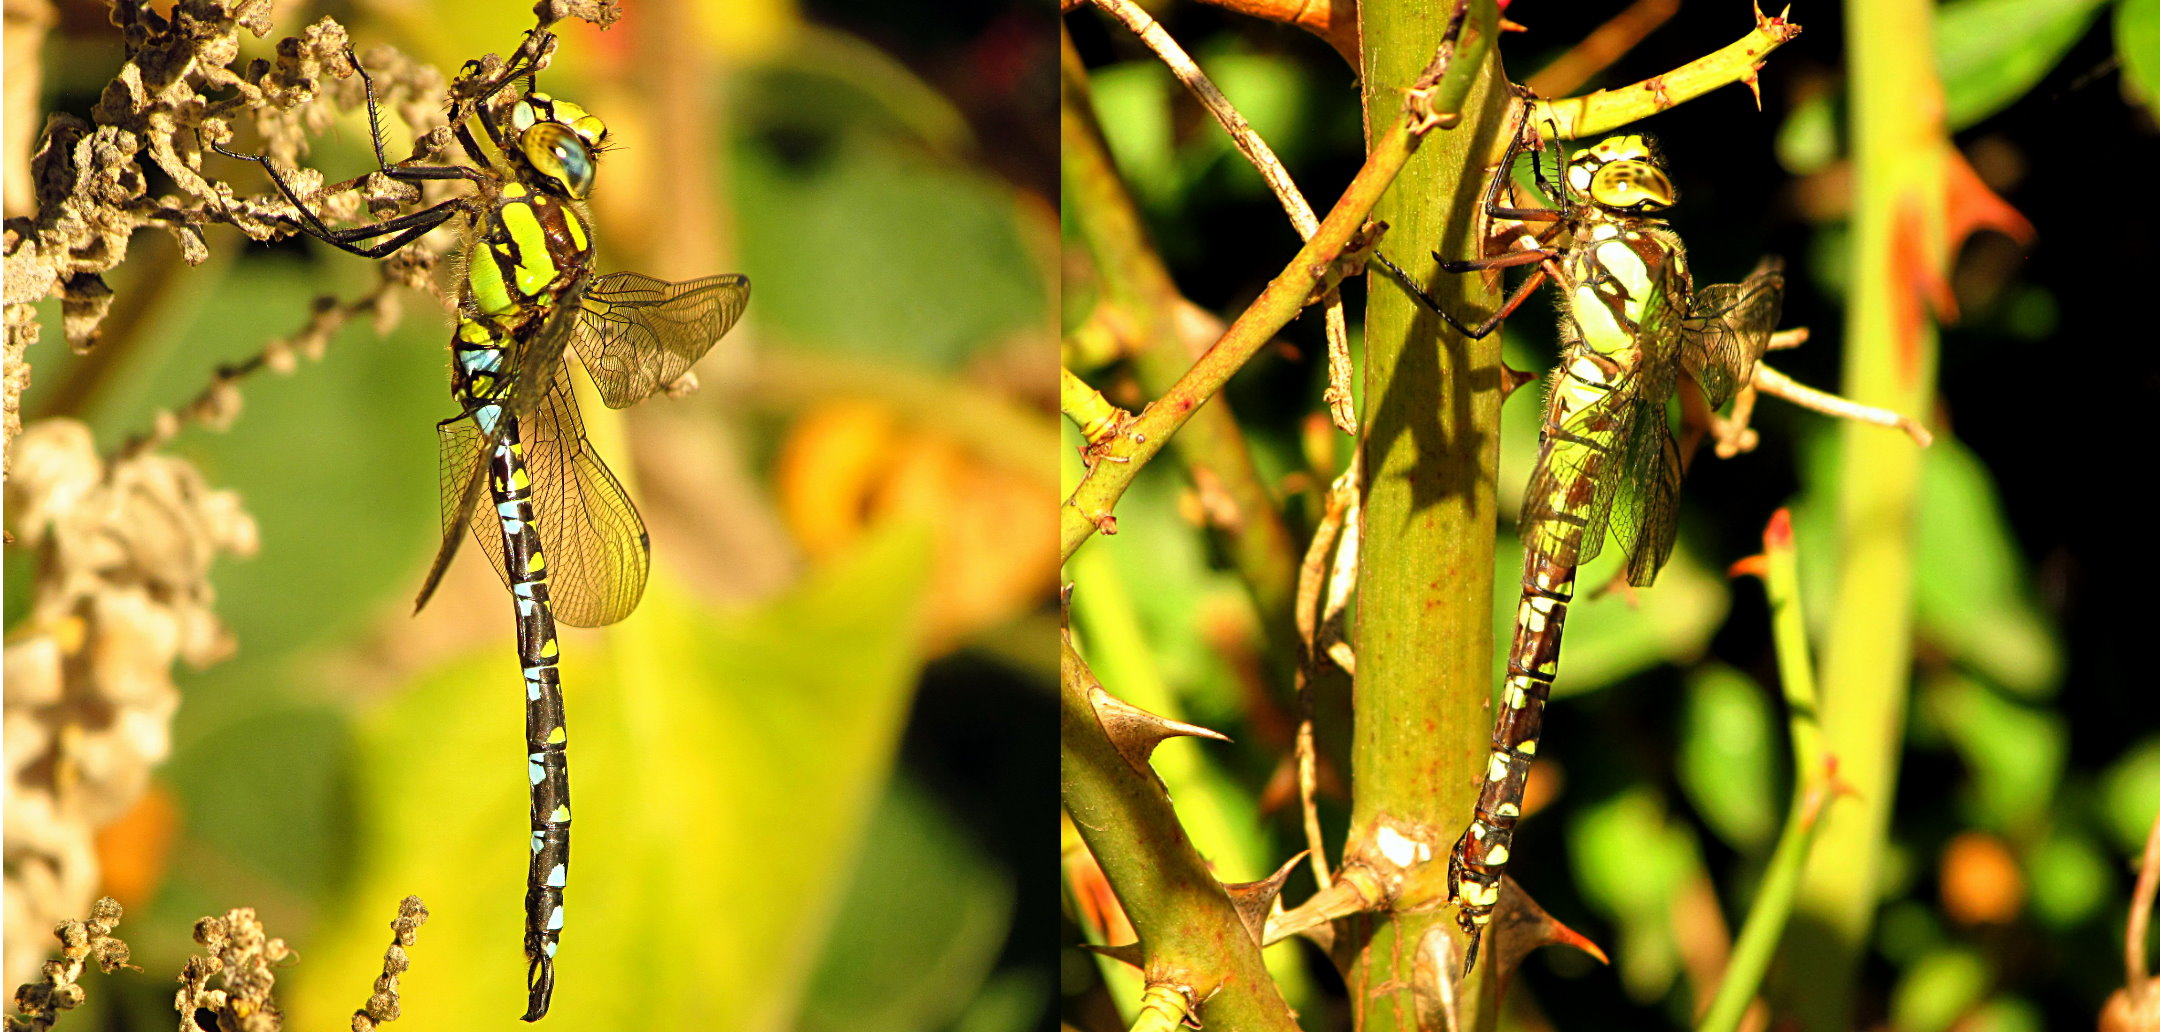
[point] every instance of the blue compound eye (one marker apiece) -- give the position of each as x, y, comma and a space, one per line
557, 152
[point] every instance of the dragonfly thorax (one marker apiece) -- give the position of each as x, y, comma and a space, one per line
1623, 173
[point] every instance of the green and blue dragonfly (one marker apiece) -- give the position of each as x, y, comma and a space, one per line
559, 528
1633, 327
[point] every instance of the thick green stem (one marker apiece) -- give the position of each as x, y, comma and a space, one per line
1431, 449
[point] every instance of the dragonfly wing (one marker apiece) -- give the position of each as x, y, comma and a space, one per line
1728, 327
1647, 508
1646, 514
461, 470
1570, 497
637, 334
463, 446
593, 539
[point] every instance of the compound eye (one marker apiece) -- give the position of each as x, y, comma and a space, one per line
558, 153
1631, 186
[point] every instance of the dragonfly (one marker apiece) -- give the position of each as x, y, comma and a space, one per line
558, 527
1633, 327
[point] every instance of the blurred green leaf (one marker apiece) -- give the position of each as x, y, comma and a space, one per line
1988, 54
2137, 40
1991, 52
2032, 313
1272, 98
2014, 752
1008, 1001
2071, 878
1730, 746
725, 769
842, 84
1938, 989
916, 260
336, 463
2130, 795
1971, 596
1164, 581
1631, 858
924, 918
1807, 143
1907, 931
1970, 591
1132, 104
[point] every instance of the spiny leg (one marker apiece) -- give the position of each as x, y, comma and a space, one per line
403, 229
1494, 210
1480, 330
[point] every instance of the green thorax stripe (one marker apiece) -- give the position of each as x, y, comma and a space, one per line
529, 252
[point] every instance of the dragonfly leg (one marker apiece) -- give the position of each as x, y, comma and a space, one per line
402, 230
1498, 261
1494, 209
1483, 329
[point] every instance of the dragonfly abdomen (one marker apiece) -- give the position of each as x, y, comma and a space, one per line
546, 742
1480, 856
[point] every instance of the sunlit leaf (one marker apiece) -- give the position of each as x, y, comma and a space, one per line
1990, 52
921, 927
2137, 39
724, 767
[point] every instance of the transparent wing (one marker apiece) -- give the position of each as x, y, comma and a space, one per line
1570, 498
461, 472
638, 334
590, 533
1646, 510
1728, 326
463, 448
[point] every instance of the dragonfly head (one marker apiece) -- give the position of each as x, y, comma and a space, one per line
558, 140
1624, 173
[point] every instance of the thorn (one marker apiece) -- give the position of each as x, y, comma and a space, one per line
1777, 536
1752, 566
1130, 953
1136, 732
1254, 899
1511, 378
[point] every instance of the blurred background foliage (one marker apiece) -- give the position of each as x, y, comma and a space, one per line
794, 765
2032, 767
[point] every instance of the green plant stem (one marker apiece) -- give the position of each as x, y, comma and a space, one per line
1137, 285
1086, 407
1605, 110
1814, 786
1430, 451
1898, 153
1189, 930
